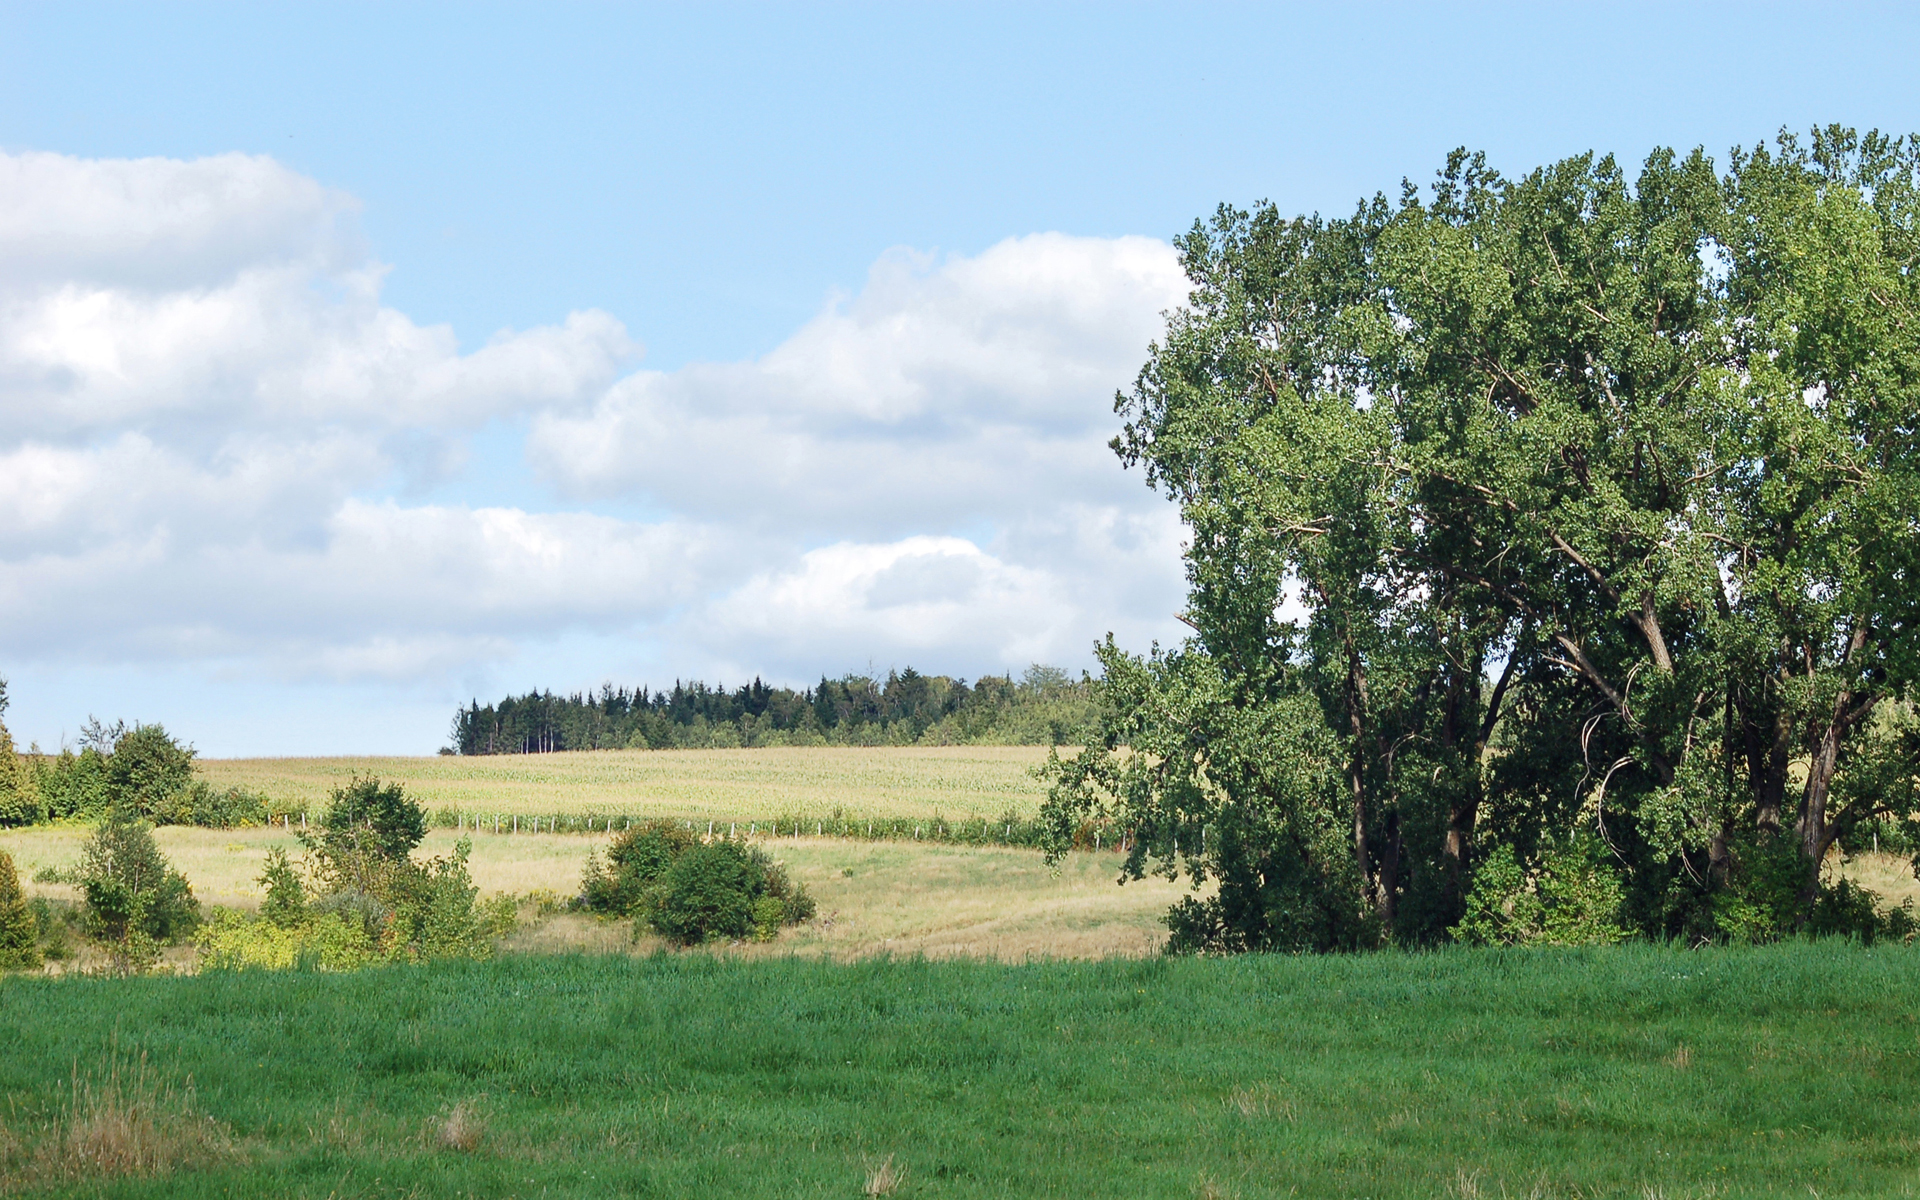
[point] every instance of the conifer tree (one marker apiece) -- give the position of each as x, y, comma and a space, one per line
19, 932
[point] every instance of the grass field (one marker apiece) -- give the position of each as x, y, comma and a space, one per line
874, 897
958, 783
1633, 1072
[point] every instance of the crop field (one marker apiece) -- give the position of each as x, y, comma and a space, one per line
915, 782
1633, 1071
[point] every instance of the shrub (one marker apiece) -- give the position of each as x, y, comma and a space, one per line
437, 918
152, 774
19, 931
235, 808
134, 897
1569, 899
72, 785
708, 893
663, 875
366, 826
286, 903
637, 860
20, 800
232, 941
55, 923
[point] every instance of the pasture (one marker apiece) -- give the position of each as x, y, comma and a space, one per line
1633, 1071
889, 897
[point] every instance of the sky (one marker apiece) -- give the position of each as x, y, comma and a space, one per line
360, 360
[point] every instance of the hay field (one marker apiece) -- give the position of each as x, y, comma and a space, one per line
874, 897
954, 782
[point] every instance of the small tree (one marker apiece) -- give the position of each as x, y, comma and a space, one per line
365, 837
286, 904
19, 932
152, 774
135, 900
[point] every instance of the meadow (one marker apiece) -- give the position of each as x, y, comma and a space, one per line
879, 897
1631, 1071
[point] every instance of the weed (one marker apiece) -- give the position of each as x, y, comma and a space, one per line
884, 1179
461, 1128
123, 1120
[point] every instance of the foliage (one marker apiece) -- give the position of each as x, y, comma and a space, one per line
1575, 506
1043, 707
360, 859
20, 802
232, 941
19, 931
151, 774
135, 900
72, 785
142, 768
56, 923
1571, 899
286, 902
1460, 1073
690, 890
637, 860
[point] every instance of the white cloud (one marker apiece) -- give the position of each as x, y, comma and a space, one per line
211, 428
969, 388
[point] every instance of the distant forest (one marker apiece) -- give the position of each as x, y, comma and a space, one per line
1043, 707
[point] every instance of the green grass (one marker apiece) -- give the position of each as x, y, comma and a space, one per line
1634, 1071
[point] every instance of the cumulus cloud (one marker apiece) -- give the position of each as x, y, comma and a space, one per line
209, 422
948, 389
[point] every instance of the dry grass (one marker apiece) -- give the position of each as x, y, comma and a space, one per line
1891, 875
958, 782
123, 1120
900, 898
884, 1179
460, 1129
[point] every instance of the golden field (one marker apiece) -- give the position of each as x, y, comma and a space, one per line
874, 897
953, 782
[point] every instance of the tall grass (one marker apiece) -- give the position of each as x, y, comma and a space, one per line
1632, 1071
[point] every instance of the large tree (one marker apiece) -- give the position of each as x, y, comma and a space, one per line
1574, 513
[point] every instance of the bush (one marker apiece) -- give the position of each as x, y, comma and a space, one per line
232, 941
1570, 898
708, 893
286, 903
436, 918
134, 898
20, 801
663, 875
72, 785
637, 860
235, 808
19, 931
152, 774
55, 922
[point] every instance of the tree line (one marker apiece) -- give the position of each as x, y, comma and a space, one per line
140, 769
1043, 707
1554, 561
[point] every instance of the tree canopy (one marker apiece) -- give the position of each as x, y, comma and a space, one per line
1572, 517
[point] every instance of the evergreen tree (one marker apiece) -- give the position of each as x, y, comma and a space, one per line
19, 932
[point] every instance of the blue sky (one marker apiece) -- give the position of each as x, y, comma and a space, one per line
798, 245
